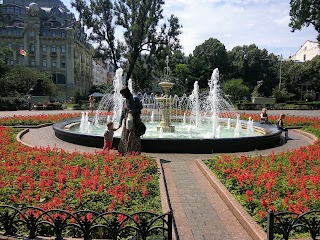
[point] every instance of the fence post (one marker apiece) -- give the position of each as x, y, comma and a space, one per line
270, 227
170, 222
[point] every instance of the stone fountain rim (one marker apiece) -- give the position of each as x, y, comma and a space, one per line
174, 145
267, 129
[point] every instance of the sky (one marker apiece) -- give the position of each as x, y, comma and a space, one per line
236, 23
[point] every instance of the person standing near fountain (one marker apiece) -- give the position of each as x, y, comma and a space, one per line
92, 101
129, 141
108, 136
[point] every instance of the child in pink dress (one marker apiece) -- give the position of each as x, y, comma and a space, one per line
108, 136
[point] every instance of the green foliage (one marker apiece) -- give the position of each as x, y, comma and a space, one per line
281, 96
77, 97
18, 80
304, 13
4, 53
140, 23
206, 57
236, 89
12, 103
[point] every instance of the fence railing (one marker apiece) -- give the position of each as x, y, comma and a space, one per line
32, 222
286, 224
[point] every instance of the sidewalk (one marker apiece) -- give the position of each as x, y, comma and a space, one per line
199, 212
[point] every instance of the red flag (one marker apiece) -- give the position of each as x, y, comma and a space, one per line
23, 52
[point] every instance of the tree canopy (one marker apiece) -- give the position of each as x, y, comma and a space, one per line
305, 13
139, 21
18, 80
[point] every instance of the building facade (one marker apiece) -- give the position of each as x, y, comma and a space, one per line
307, 52
45, 35
100, 73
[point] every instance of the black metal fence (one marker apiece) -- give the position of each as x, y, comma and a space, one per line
286, 224
32, 222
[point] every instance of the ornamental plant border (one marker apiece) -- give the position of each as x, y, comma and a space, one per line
112, 224
142, 226
282, 223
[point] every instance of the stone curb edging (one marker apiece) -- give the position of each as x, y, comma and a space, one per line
165, 201
252, 228
306, 134
33, 126
20, 135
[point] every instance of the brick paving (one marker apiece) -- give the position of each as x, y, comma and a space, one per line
199, 212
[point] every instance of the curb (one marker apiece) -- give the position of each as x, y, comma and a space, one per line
165, 201
20, 135
252, 228
306, 134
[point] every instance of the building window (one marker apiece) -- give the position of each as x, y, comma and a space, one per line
44, 48
63, 63
32, 61
53, 49
53, 63
58, 79
63, 34
53, 34
44, 62
63, 49
304, 57
32, 49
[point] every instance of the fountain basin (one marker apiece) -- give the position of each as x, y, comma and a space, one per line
270, 138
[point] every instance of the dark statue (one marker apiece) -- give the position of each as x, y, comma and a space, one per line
37, 89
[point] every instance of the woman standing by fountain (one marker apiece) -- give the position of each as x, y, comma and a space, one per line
129, 141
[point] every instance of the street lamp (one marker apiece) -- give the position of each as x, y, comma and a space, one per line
280, 72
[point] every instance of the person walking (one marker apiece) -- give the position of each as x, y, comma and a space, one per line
129, 142
29, 99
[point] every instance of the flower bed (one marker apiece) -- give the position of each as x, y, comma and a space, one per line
52, 178
289, 181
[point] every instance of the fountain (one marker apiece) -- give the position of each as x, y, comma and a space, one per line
165, 102
204, 123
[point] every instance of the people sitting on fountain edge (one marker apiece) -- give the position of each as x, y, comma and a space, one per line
280, 126
129, 141
264, 117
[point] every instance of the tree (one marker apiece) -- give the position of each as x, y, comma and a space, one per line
98, 16
236, 89
303, 13
254, 65
4, 53
206, 57
19, 79
138, 20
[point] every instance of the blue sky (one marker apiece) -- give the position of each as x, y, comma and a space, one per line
237, 23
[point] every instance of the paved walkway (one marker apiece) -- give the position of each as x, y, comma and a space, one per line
199, 211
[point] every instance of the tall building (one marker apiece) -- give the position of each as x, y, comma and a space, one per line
102, 72
44, 34
307, 51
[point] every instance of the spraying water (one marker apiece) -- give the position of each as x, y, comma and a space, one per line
207, 111
194, 98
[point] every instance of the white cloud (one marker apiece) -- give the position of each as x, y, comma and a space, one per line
237, 23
